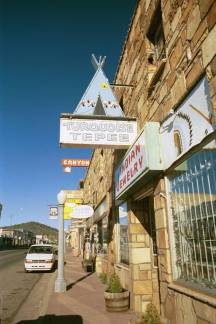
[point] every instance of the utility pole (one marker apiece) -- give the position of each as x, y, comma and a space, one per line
60, 284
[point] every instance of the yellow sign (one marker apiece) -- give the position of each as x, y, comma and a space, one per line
73, 201
69, 206
73, 198
71, 194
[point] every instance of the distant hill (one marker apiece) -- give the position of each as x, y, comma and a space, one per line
37, 229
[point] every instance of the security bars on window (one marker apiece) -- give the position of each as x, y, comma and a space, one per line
193, 204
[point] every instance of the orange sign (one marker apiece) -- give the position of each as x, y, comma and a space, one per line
75, 163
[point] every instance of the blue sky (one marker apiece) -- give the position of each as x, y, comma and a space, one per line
45, 67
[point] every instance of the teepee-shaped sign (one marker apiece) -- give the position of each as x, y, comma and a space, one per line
99, 98
98, 120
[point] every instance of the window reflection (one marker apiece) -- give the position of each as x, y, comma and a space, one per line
193, 204
102, 230
123, 224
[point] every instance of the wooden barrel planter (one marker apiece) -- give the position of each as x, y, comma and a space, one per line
117, 302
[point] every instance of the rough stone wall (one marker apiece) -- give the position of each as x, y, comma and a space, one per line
190, 42
183, 308
190, 33
140, 259
99, 176
163, 246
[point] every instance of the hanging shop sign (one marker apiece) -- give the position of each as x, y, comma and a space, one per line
53, 212
98, 120
69, 206
73, 194
81, 212
75, 163
73, 199
140, 161
99, 98
188, 125
67, 169
103, 132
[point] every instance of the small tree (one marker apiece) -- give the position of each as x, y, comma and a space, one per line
150, 316
103, 277
114, 284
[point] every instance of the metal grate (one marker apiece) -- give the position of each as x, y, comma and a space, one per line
193, 205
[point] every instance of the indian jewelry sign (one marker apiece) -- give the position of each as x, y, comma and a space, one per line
142, 158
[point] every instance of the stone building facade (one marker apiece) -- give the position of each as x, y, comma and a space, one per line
165, 215
97, 192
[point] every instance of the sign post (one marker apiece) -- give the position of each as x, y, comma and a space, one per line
60, 284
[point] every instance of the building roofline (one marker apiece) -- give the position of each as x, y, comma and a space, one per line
126, 39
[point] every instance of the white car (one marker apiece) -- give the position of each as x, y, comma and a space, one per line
41, 257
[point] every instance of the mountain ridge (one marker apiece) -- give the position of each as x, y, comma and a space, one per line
37, 228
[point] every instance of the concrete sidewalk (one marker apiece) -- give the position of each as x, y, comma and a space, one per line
83, 302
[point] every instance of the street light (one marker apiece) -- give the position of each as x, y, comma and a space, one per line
60, 283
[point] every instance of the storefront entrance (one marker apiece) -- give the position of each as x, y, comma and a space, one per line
143, 253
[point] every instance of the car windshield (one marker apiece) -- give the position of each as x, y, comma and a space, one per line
41, 249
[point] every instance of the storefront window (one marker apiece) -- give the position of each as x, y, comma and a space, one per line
102, 232
193, 206
123, 225
151, 221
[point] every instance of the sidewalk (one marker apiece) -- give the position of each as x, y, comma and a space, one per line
83, 302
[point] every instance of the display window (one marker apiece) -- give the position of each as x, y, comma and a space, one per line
102, 235
123, 234
192, 198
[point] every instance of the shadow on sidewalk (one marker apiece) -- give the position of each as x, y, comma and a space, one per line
78, 280
53, 319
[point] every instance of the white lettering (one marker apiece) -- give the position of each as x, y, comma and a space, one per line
112, 137
75, 136
97, 132
87, 137
99, 136
124, 137
96, 126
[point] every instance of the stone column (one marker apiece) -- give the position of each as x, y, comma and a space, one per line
140, 259
164, 259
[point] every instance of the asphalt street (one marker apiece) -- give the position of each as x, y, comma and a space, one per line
15, 284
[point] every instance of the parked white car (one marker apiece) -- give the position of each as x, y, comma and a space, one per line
41, 257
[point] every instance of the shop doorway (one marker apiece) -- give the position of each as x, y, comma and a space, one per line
146, 216
149, 225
